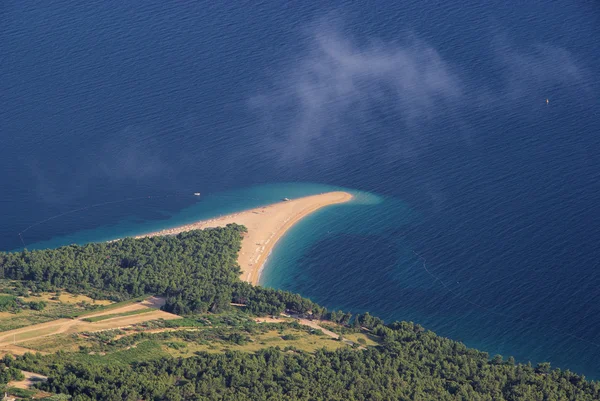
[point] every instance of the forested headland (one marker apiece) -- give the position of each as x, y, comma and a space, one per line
198, 275
195, 271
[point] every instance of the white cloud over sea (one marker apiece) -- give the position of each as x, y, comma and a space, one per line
336, 82
333, 91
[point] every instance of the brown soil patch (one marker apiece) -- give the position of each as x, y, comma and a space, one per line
68, 326
30, 379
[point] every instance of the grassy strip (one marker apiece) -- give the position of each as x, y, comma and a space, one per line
130, 313
106, 307
20, 392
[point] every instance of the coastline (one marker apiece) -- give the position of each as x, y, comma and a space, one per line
265, 224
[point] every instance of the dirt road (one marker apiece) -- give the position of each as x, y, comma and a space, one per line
304, 322
30, 379
8, 339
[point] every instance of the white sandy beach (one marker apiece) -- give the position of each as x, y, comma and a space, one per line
266, 225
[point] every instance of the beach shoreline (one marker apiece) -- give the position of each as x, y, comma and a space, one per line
265, 224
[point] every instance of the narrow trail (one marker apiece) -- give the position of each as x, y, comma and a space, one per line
309, 323
61, 326
29, 380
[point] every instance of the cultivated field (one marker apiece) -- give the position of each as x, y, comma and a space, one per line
58, 305
121, 315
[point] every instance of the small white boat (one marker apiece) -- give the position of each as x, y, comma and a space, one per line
286, 199
196, 193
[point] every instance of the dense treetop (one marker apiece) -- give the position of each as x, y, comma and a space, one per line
133, 267
410, 364
197, 272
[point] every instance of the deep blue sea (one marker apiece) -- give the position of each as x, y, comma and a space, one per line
468, 131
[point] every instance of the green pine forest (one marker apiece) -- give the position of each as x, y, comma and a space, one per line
197, 274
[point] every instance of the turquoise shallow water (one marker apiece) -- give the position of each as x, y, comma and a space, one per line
366, 214
204, 207
339, 244
357, 256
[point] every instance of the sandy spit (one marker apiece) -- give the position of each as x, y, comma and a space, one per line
266, 225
